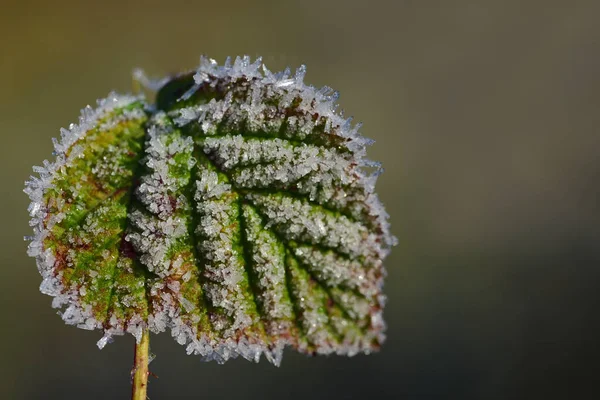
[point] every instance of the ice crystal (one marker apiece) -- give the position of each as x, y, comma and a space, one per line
236, 213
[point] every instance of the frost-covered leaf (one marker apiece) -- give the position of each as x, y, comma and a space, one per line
237, 213
79, 215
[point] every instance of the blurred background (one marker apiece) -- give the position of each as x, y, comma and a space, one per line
486, 118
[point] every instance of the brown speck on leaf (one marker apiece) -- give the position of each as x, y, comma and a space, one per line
127, 250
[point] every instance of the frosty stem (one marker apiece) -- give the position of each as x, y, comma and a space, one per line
140, 368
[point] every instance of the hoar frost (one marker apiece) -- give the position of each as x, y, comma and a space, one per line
239, 216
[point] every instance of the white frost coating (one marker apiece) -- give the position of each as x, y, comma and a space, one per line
314, 322
280, 188
107, 338
298, 220
223, 268
268, 262
327, 176
224, 350
311, 108
43, 220
159, 191
337, 271
154, 239
271, 131
156, 188
152, 236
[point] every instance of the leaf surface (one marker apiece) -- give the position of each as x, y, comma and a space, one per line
237, 213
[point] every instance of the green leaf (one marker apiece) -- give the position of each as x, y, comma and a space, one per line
238, 213
79, 213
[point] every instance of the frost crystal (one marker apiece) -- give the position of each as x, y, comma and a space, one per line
238, 214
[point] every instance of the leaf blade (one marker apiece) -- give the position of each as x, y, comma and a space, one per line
259, 146
79, 210
250, 223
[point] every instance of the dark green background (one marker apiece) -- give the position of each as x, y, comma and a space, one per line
486, 119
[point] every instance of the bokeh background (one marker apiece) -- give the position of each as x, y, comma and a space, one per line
486, 118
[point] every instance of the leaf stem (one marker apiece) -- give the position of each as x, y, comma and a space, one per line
140, 368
